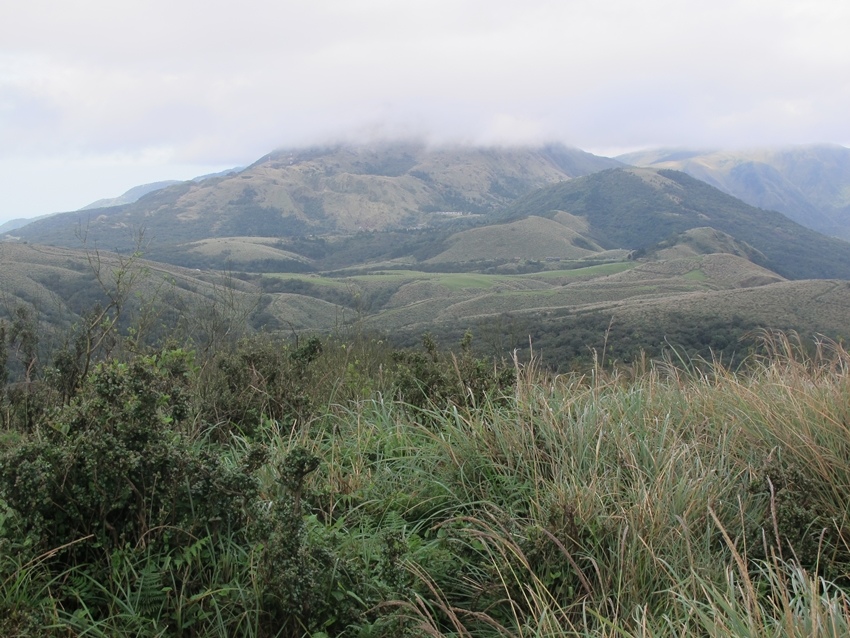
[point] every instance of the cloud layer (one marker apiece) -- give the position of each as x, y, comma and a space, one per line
174, 85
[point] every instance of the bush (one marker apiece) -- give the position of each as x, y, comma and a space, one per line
262, 378
434, 378
113, 467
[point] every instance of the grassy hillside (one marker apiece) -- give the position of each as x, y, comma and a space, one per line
809, 184
65, 289
708, 323
704, 241
638, 208
567, 312
526, 239
336, 189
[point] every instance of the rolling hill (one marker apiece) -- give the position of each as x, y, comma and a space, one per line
335, 190
547, 243
810, 184
637, 208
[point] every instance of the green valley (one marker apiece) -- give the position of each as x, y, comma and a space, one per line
410, 391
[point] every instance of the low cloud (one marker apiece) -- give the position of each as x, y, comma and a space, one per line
216, 84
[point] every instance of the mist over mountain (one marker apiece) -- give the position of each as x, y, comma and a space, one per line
810, 184
549, 242
338, 189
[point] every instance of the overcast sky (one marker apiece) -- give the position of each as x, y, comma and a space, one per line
97, 96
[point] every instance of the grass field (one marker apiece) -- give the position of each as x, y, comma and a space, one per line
313, 279
588, 271
696, 275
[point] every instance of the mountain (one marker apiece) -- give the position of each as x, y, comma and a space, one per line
334, 190
128, 197
445, 209
135, 193
637, 208
809, 184
131, 195
20, 222
547, 242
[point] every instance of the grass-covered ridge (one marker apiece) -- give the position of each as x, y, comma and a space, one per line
637, 208
339, 488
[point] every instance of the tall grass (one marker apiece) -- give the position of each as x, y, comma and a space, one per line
679, 499
675, 498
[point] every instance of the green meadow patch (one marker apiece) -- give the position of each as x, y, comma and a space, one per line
599, 270
696, 275
312, 279
469, 280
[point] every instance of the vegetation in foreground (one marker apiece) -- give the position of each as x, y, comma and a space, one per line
339, 488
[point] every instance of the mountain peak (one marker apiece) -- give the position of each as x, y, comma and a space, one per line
336, 189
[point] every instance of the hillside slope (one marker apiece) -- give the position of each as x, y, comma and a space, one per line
636, 208
339, 189
810, 184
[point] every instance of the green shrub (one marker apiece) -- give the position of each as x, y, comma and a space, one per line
114, 467
262, 378
434, 378
797, 525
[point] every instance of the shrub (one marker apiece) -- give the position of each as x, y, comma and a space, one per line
434, 378
262, 378
114, 467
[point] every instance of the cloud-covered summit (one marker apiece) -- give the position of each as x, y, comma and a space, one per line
161, 86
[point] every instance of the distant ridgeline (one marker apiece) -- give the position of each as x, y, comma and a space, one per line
576, 253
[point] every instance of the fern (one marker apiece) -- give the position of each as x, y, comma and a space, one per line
149, 595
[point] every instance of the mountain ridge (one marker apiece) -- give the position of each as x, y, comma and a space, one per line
808, 183
333, 189
637, 208
401, 239
451, 207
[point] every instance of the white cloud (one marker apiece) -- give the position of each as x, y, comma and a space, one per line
220, 84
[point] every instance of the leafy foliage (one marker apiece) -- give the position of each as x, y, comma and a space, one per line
281, 489
261, 379
114, 467
433, 378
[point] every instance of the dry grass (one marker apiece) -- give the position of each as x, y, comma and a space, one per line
623, 504
531, 238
